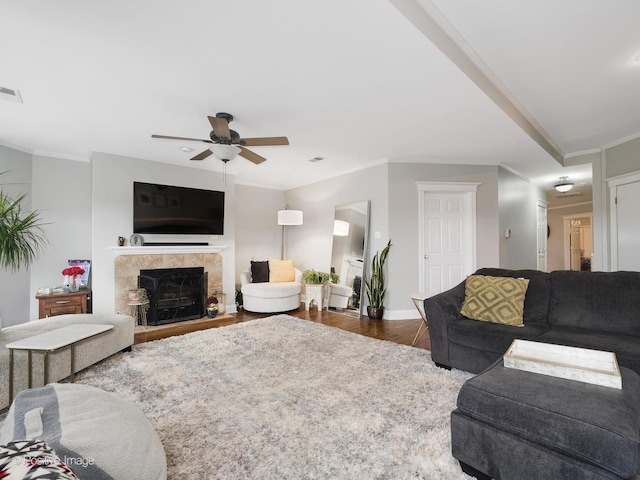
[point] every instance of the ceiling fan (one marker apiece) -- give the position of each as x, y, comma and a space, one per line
226, 143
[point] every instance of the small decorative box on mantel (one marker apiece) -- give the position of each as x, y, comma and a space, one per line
573, 363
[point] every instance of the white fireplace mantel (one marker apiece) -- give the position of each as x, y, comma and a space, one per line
166, 249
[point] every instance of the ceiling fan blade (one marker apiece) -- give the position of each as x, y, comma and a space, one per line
257, 142
220, 127
167, 137
203, 155
251, 156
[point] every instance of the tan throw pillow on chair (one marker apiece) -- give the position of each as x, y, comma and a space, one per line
281, 271
495, 299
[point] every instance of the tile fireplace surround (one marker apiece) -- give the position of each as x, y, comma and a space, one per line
127, 268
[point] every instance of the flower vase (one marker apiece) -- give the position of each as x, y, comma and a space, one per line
74, 284
65, 280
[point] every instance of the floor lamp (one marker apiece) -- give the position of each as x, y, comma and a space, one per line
288, 217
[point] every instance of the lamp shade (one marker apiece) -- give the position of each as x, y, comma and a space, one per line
289, 217
225, 152
340, 228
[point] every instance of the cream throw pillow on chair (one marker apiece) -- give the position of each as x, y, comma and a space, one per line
281, 271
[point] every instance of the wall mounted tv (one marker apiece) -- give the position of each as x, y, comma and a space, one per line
177, 210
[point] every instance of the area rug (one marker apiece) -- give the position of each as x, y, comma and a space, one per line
284, 398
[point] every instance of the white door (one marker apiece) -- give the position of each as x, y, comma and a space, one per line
575, 244
542, 236
448, 240
628, 223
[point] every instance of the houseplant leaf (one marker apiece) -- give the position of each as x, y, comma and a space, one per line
21, 234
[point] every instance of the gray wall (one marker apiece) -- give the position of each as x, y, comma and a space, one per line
404, 262
16, 292
112, 214
623, 158
310, 244
518, 212
62, 192
258, 236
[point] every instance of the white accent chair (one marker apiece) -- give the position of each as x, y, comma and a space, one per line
270, 297
339, 295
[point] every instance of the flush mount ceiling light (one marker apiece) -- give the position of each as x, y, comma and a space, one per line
564, 185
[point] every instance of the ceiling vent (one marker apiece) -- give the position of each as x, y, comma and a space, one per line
11, 95
569, 194
316, 159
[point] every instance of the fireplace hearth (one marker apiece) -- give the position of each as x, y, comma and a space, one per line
175, 294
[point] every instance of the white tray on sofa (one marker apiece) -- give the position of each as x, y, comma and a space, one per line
573, 363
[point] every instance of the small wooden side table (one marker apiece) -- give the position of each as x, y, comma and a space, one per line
62, 303
418, 301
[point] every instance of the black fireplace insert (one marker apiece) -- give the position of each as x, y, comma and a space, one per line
175, 294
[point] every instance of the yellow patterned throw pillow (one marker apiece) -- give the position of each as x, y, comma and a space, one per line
495, 299
281, 271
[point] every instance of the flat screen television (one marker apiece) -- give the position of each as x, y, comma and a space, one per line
177, 210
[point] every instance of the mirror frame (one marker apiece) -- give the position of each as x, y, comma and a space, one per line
365, 252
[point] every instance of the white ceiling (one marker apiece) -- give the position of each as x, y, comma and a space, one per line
353, 81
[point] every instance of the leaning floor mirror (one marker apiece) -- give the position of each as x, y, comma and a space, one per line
348, 258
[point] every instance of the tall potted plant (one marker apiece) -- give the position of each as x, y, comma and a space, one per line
375, 285
21, 234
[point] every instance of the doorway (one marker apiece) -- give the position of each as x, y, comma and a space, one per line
578, 241
447, 234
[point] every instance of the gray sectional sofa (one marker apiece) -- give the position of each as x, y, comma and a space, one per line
88, 351
596, 310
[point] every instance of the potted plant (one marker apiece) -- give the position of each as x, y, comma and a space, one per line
375, 285
315, 278
21, 234
212, 306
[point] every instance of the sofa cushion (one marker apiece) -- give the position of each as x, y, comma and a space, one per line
271, 290
492, 337
595, 424
259, 272
624, 346
281, 271
536, 302
495, 299
602, 301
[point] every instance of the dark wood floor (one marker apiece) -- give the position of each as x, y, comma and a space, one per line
398, 331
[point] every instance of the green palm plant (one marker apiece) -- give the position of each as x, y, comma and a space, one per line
375, 285
21, 233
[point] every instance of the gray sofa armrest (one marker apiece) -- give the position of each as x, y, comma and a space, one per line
440, 310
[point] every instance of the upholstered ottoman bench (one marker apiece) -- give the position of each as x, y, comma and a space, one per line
512, 424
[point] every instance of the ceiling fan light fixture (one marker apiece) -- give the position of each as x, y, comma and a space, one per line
564, 185
225, 152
